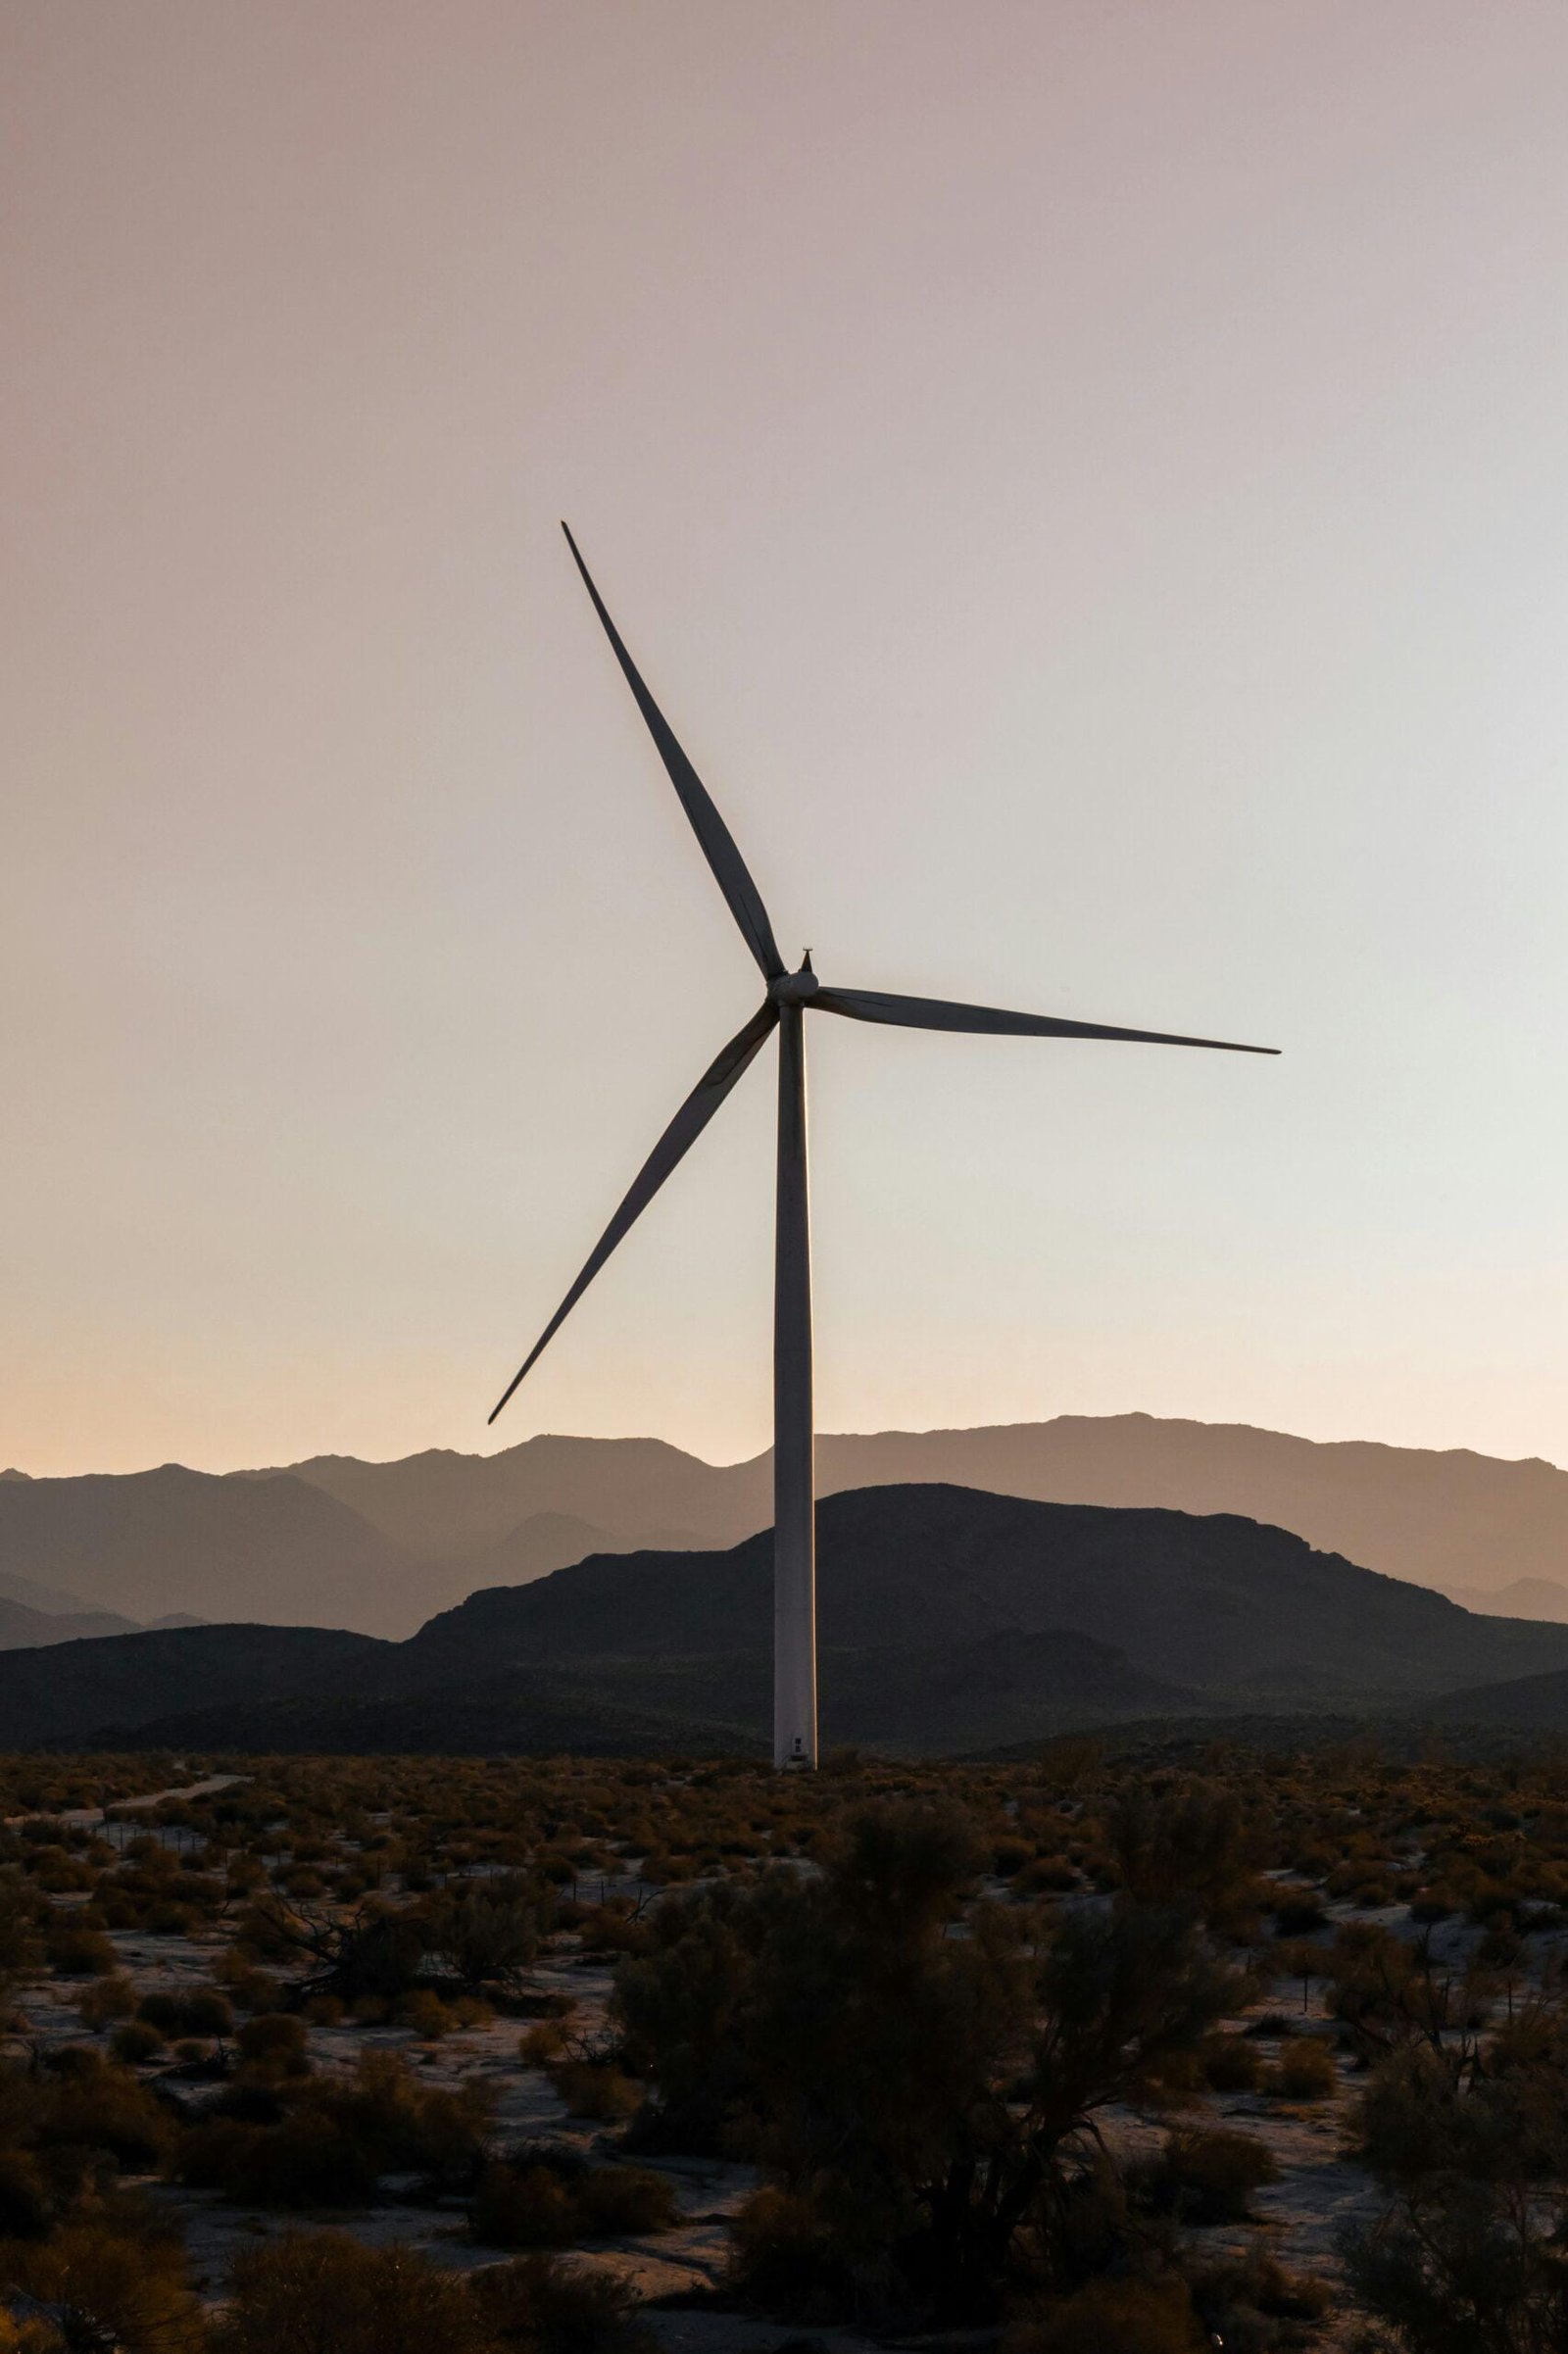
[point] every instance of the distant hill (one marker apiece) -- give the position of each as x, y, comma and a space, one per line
70, 1690
1519, 1705
379, 1545
1526, 1597
151, 1543
24, 1630
948, 1618
1439, 1519
1215, 1601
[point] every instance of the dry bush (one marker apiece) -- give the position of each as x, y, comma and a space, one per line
112, 2284
1306, 2069
135, 2041
74, 1949
1230, 2064
425, 2016
202, 2012
538, 2305
547, 2199
105, 2001
322, 2292
1113, 2317
274, 2044
597, 2089
1209, 2177
336, 2137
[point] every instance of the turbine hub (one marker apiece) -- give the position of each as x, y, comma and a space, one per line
795, 987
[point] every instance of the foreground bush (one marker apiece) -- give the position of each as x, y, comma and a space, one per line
328, 2146
549, 2200
921, 2101
111, 2283
322, 2292
1114, 2317
1208, 2178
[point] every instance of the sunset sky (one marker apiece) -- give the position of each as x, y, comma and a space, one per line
1088, 483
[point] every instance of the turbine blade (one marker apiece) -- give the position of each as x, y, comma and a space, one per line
717, 842
939, 1013
676, 1141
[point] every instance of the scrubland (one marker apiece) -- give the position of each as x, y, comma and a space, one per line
1086, 2054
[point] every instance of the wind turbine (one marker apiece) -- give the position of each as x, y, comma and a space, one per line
790, 994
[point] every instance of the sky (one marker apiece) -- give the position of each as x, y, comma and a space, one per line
1086, 482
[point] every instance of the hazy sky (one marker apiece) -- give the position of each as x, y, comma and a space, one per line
1086, 482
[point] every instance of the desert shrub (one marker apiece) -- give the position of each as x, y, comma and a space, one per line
1199, 1845
547, 2199
135, 2041
322, 2292
1457, 2266
1113, 2317
832, 2027
1230, 2064
1210, 2177
101, 2107
523, 2206
105, 2001
75, 1951
784, 2257
274, 2043
405, 2124
427, 2016
1306, 2069
489, 1935
539, 2045
597, 2089
112, 2284
1052, 1875
539, 2305
1242, 2300
18, 1926
203, 2011
304, 2160
337, 2136
1298, 1913
26, 2202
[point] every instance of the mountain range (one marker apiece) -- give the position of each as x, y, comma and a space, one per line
378, 1547
948, 1618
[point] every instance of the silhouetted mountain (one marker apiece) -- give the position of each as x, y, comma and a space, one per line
947, 1618
1217, 1601
411, 1537
274, 1552
24, 1630
71, 1688
549, 1541
1519, 1705
708, 1705
1432, 1518
52, 1600
445, 1504
1526, 1597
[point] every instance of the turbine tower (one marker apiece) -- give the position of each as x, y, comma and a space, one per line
790, 994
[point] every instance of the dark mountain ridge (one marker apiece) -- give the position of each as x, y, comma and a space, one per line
1218, 1600
949, 1617
380, 1545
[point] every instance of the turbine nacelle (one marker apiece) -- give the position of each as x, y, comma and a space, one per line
795, 987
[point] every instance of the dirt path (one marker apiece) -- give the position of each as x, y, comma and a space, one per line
88, 1818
